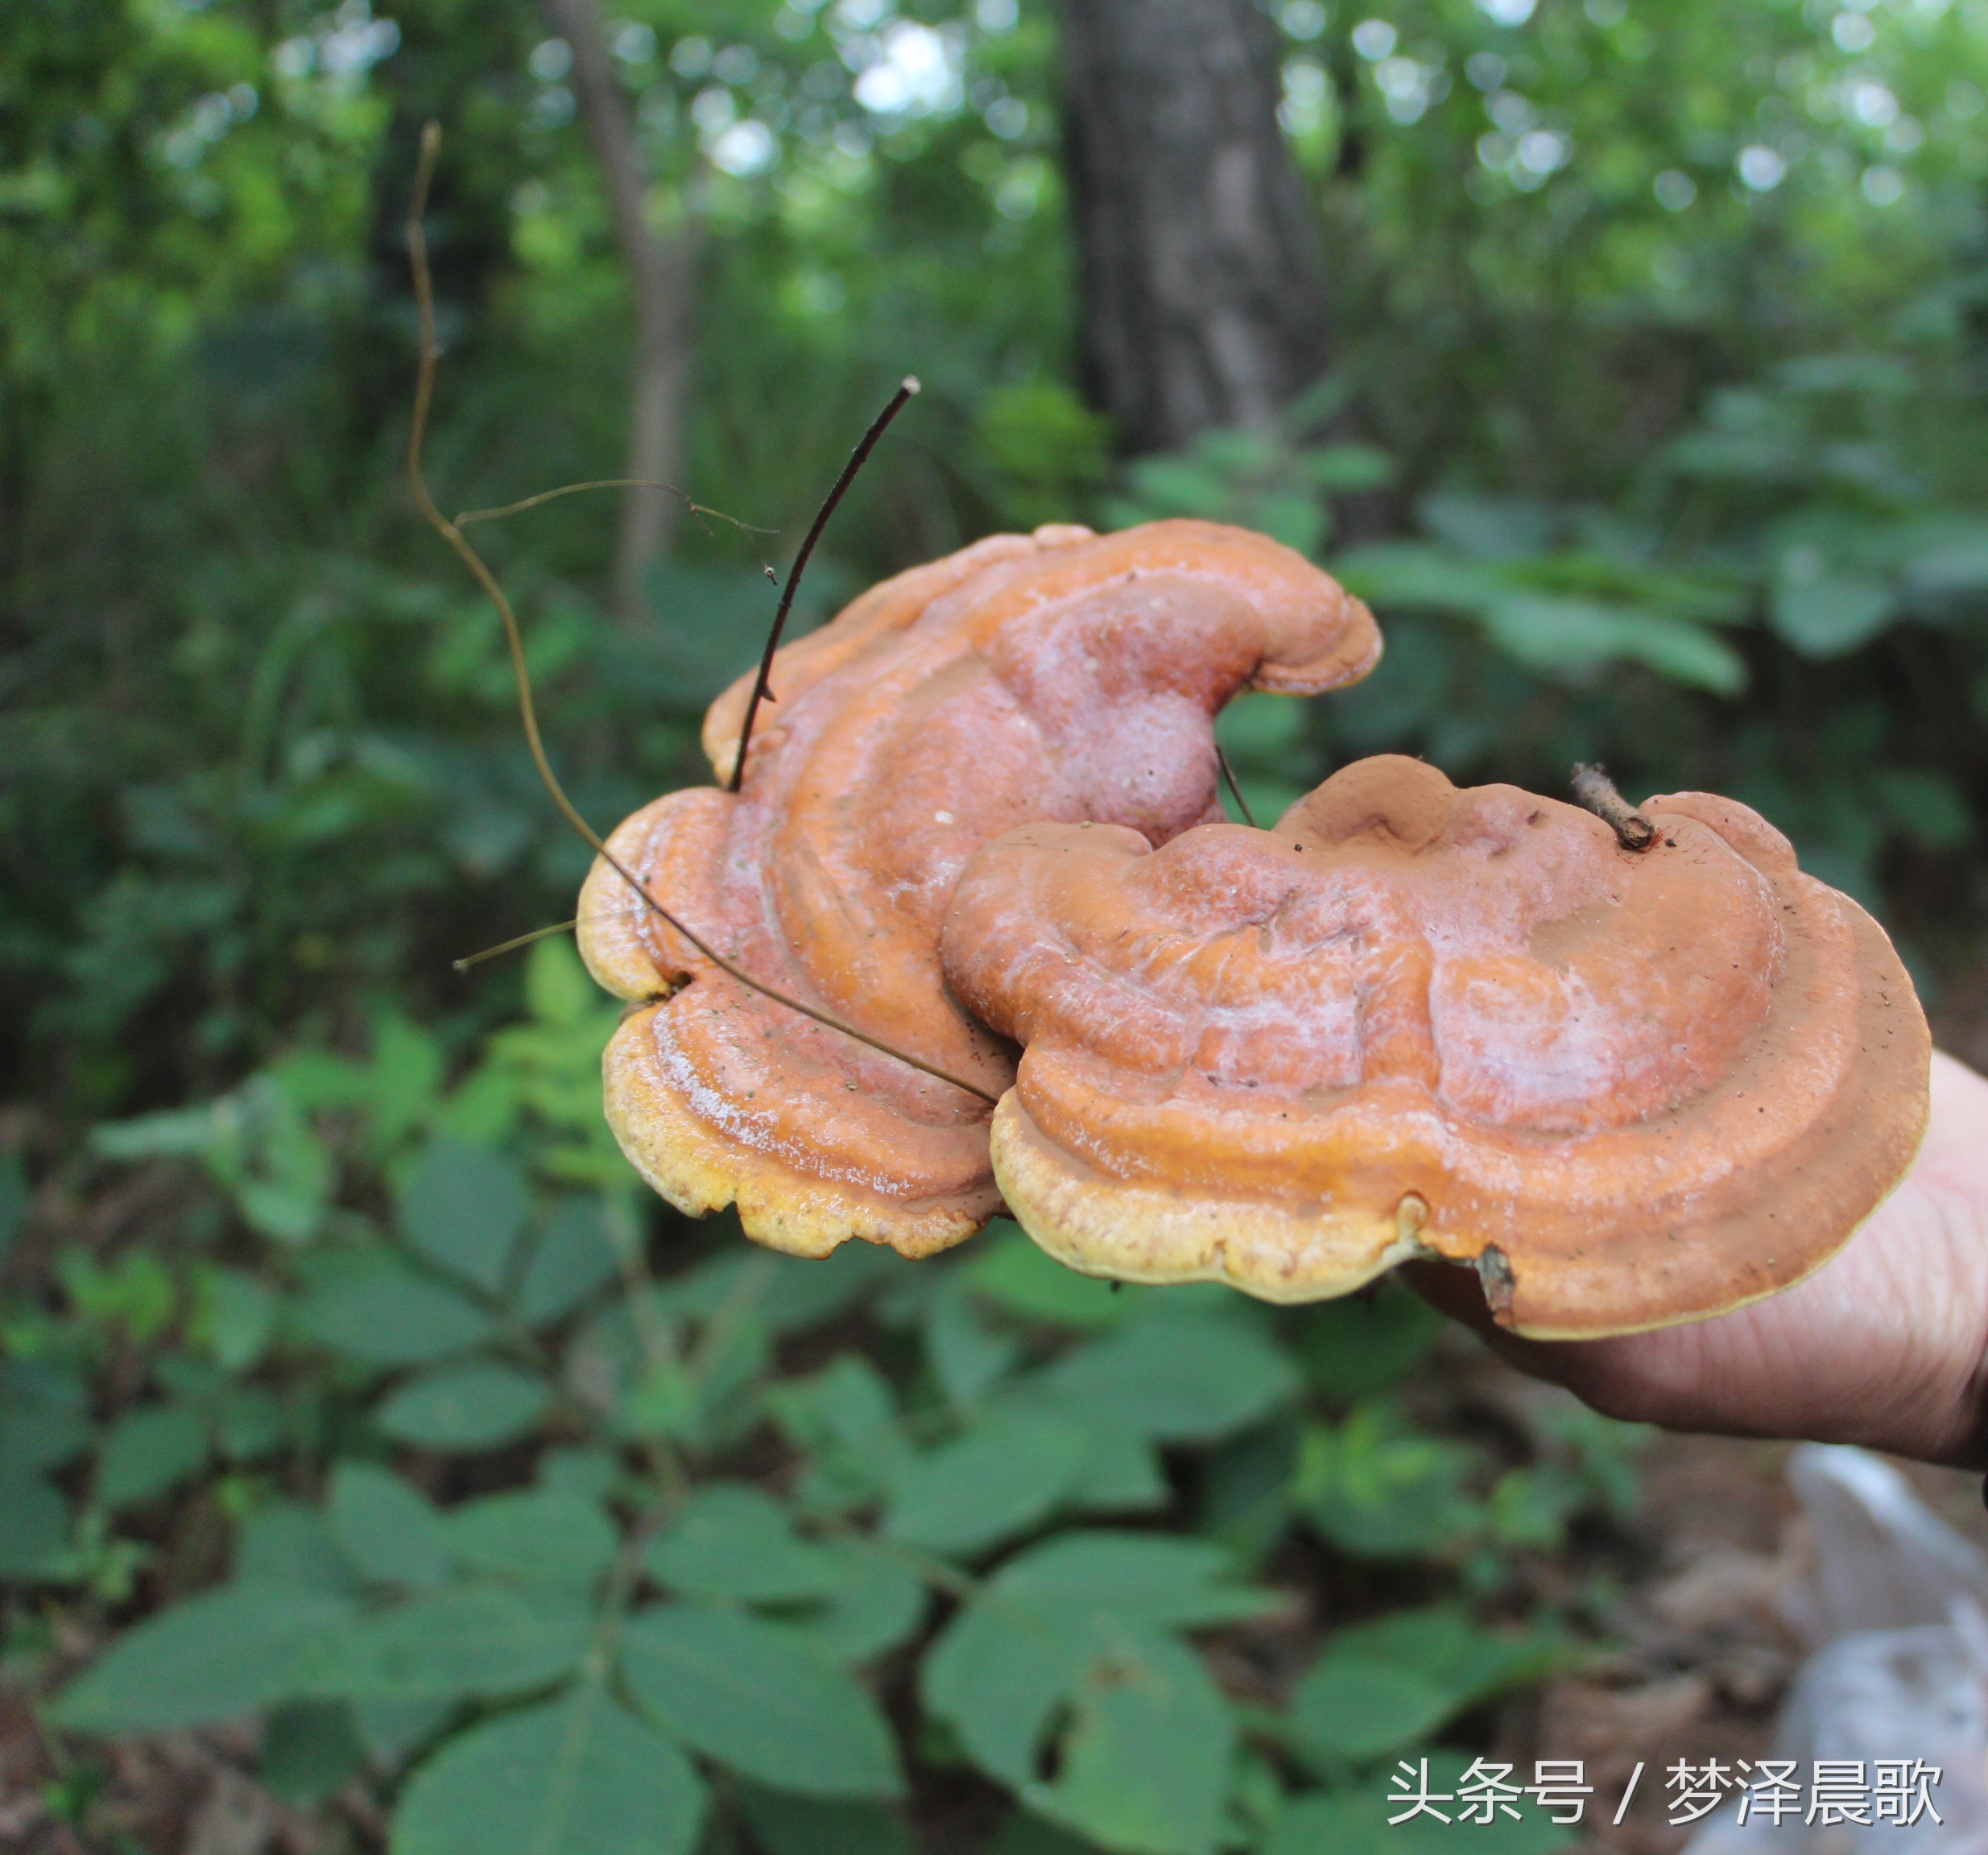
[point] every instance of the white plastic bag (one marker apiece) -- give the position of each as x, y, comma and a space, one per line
1895, 1614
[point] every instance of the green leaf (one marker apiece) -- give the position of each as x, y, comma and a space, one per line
1348, 1708
1013, 1272
234, 1317
34, 1523
1176, 1381
535, 1537
370, 1306
213, 1657
466, 1639
1002, 1668
1120, 1472
476, 1405
845, 1418
966, 1356
741, 1694
14, 1196
1824, 610
389, 1529
998, 1477
876, 1604
1362, 1344
735, 1541
290, 1546
1443, 1644
573, 1258
391, 1730
1564, 637
44, 1414
1145, 1762
1356, 1822
463, 1207
578, 1775
309, 1748
1379, 1490
784, 1825
149, 1451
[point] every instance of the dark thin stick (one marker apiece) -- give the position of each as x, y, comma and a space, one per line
1595, 790
513, 945
697, 508
417, 482
858, 458
1229, 773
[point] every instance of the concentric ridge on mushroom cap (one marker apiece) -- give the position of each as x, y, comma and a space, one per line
1413, 1020
1062, 675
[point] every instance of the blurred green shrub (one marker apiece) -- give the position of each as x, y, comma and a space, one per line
572, 1555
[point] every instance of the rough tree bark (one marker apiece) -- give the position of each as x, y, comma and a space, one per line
1198, 250
661, 276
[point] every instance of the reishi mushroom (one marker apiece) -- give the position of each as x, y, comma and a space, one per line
1063, 676
1631, 1088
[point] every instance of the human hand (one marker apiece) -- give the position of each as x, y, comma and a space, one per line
1885, 1345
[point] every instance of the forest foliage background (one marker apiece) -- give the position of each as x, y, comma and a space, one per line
1655, 428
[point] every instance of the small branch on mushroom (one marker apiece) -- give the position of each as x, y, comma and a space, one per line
858, 458
1235, 791
514, 638
1595, 790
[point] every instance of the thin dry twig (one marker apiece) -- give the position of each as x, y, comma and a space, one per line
858, 457
450, 532
1595, 790
1229, 773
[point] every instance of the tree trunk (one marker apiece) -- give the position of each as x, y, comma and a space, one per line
1198, 249
660, 277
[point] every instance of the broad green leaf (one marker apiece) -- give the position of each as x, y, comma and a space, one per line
786, 1825
875, 1604
741, 1693
290, 1546
1379, 1490
248, 1422
1145, 1762
1006, 1663
732, 1540
34, 1523
234, 1317
147, 1451
1176, 1381
476, 1405
1362, 1344
44, 1414
1121, 1473
213, 1657
463, 1208
966, 1356
391, 1730
309, 1748
1356, 1822
576, 1469
371, 1306
573, 1257
844, 1418
1443, 1644
578, 1775
389, 1529
1001, 1476
535, 1537
1350, 1707
469, 1639
1014, 1273
1827, 610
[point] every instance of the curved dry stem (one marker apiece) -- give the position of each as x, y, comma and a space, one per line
514, 638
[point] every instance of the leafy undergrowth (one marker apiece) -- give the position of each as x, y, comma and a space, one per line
521, 1516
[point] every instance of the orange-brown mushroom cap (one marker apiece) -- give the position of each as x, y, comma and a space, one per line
1061, 675
1633, 1089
